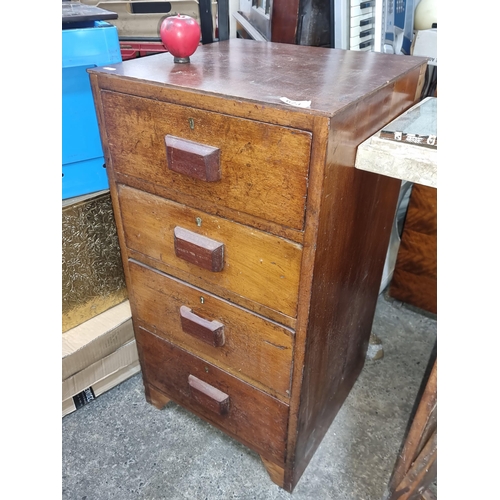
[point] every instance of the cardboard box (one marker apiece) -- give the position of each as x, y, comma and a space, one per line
74, 403
98, 371
143, 19
96, 338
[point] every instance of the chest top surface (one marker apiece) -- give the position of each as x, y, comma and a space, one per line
264, 72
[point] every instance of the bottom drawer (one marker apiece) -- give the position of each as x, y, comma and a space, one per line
249, 415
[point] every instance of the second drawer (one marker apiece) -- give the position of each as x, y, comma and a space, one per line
240, 342
251, 264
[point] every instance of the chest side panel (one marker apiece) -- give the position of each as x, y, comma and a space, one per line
354, 224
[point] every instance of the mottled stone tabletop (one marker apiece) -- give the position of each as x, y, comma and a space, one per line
406, 148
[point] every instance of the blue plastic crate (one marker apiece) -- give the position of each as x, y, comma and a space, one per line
84, 46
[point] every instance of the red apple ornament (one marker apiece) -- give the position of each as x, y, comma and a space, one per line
180, 35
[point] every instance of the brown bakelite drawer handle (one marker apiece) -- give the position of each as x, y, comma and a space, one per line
211, 332
193, 159
209, 397
198, 249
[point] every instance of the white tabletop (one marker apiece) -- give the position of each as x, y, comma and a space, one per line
406, 148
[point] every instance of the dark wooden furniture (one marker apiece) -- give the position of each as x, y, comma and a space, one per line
416, 466
341, 24
415, 274
271, 20
407, 149
253, 249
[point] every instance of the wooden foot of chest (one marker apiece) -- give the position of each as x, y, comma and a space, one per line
276, 472
157, 399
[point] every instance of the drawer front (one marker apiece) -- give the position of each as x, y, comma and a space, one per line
238, 341
247, 414
253, 264
252, 167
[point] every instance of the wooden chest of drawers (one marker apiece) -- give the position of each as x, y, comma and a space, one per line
253, 249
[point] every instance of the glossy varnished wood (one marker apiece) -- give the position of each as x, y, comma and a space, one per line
208, 207
416, 465
257, 265
351, 235
415, 273
253, 417
221, 292
198, 249
209, 396
193, 159
254, 348
285, 18
266, 182
155, 397
209, 331
222, 78
334, 268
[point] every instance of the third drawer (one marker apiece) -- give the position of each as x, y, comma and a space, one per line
242, 343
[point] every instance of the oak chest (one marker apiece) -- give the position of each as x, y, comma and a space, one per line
253, 249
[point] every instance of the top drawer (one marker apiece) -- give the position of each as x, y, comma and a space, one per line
263, 168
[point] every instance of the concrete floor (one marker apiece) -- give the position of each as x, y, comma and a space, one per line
119, 447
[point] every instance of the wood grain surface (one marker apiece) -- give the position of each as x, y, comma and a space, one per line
416, 463
208, 396
415, 274
222, 77
255, 349
257, 265
351, 234
285, 19
209, 331
268, 182
198, 250
193, 159
305, 234
254, 418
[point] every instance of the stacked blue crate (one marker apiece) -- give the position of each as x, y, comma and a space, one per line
84, 45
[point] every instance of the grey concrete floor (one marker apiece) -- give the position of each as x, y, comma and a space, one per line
119, 447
